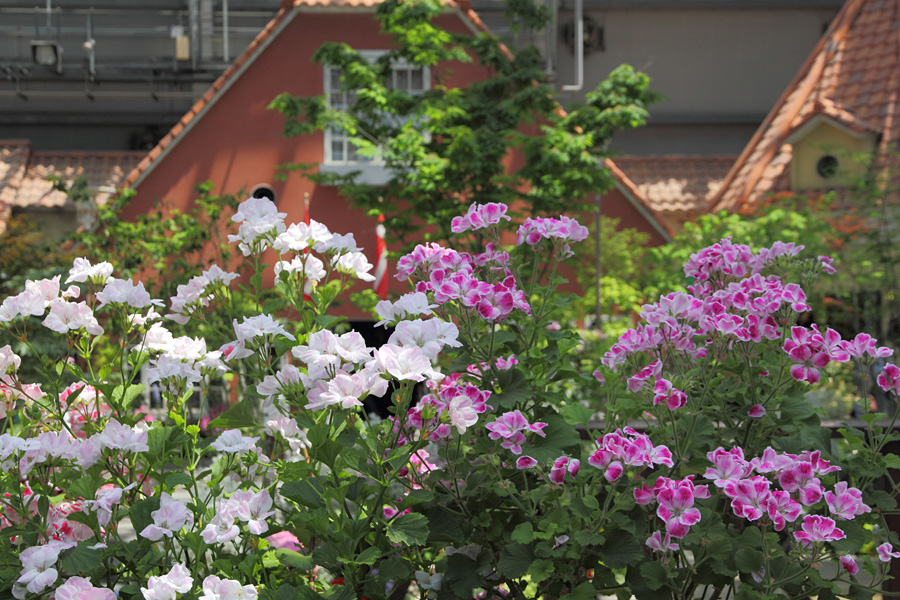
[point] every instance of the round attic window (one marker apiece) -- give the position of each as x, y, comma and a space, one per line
827, 166
263, 190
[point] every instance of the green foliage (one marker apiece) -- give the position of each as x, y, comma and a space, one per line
800, 223
448, 146
173, 243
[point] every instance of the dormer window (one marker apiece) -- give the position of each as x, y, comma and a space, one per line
821, 154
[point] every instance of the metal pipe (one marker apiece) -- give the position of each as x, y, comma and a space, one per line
550, 42
579, 49
194, 20
226, 55
207, 15
89, 45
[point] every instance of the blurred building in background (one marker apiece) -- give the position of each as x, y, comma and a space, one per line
87, 83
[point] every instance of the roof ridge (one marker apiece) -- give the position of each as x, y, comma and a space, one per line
822, 52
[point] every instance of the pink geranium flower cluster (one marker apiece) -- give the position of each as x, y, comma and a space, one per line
627, 448
511, 427
750, 484
560, 231
492, 301
812, 350
452, 403
729, 260
197, 293
450, 276
675, 506
83, 404
563, 466
889, 378
260, 222
663, 391
427, 258
479, 216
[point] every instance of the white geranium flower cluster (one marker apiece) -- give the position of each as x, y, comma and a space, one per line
198, 292
180, 362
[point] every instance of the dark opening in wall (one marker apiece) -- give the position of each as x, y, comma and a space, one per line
263, 190
827, 166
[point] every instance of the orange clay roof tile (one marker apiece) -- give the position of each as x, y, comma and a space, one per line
104, 172
13, 161
682, 184
852, 76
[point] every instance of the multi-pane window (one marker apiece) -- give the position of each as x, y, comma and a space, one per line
338, 148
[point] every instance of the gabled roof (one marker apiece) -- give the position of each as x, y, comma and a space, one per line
677, 184
852, 77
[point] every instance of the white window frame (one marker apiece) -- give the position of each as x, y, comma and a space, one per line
339, 136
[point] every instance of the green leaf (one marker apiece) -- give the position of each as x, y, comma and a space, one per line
591, 502
410, 529
124, 396
85, 487
882, 500
588, 538
825, 594
462, 574
368, 556
748, 560
620, 551
654, 574
515, 560
140, 512
176, 479
393, 568
326, 452
585, 591
306, 492
523, 533
162, 438
239, 415
292, 558
873, 417
541, 569
80, 559
561, 438
576, 414
514, 389
289, 592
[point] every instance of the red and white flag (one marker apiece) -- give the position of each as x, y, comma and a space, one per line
381, 260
